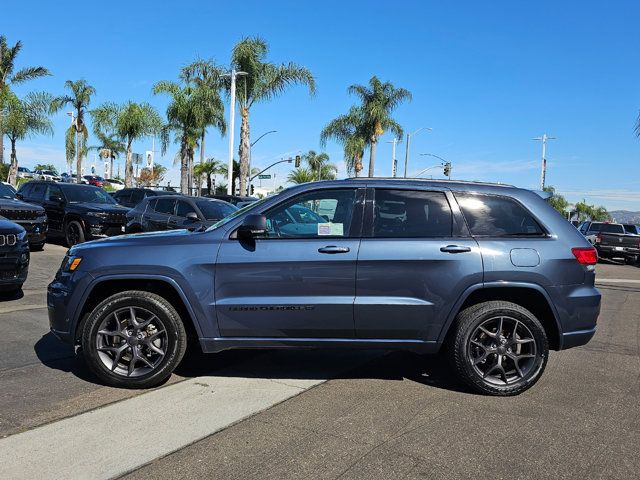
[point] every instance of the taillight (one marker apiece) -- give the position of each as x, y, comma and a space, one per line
585, 255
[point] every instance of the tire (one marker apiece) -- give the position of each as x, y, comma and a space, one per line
149, 368
498, 364
36, 247
74, 233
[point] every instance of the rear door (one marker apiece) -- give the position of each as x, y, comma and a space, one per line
158, 218
54, 208
415, 260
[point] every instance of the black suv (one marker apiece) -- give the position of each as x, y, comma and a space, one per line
14, 256
76, 212
234, 199
130, 197
171, 212
30, 217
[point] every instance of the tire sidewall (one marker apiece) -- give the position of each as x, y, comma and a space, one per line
81, 237
176, 338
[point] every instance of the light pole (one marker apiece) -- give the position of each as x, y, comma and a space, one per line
250, 150
232, 114
543, 173
394, 162
406, 156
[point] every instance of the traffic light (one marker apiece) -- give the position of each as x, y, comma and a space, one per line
297, 161
252, 189
447, 169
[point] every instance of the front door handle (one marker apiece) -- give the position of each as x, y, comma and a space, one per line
455, 249
331, 249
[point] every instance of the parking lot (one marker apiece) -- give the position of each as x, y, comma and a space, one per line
273, 415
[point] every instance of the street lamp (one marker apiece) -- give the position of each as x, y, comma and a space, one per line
543, 173
232, 113
446, 164
394, 162
406, 156
250, 150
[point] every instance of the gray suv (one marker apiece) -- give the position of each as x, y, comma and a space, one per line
489, 274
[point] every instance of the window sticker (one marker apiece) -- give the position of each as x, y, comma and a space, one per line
331, 229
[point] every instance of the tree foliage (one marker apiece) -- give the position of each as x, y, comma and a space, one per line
320, 166
149, 177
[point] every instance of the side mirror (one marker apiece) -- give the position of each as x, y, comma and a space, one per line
193, 216
252, 225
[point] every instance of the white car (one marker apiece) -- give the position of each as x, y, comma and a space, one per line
48, 175
116, 184
24, 172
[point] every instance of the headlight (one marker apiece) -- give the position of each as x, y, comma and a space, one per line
70, 263
22, 235
97, 214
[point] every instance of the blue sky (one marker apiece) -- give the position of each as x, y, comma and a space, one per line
486, 76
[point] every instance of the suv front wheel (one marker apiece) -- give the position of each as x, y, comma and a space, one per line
498, 348
133, 339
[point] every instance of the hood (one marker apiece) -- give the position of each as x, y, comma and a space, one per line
7, 226
100, 207
15, 204
151, 239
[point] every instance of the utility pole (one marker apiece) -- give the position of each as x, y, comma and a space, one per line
406, 155
251, 149
543, 173
232, 114
394, 162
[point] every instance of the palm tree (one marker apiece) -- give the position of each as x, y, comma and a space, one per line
301, 175
205, 75
206, 169
8, 57
80, 98
25, 118
263, 81
128, 122
319, 164
109, 147
224, 170
348, 130
378, 100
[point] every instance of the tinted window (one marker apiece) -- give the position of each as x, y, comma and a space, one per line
411, 214
6, 192
183, 208
325, 213
87, 194
495, 216
215, 210
54, 191
606, 228
137, 196
165, 205
37, 192
123, 196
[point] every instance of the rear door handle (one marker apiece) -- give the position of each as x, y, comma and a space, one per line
331, 249
455, 249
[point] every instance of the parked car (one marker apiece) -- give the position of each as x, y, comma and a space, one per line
115, 184
491, 271
30, 217
234, 199
76, 212
130, 197
72, 178
49, 175
169, 212
632, 229
94, 180
612, 241
14, 256
24, 172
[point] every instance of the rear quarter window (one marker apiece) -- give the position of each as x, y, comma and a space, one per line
497, 216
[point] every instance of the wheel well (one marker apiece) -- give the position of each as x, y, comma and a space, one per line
135, 228
107, 288
529, 298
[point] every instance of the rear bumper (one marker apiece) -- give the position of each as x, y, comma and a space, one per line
612, 251
577, 338
578, 308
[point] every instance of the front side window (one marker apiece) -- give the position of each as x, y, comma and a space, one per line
54, 192
184, 208
497, 216
411, 214
165, 205
325, 213
213, 210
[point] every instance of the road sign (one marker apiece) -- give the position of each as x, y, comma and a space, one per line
264, 177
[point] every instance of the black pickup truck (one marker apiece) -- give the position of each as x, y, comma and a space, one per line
612, 241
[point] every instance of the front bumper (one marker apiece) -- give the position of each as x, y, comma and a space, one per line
36, 230
64, 295
14, 267
102, 230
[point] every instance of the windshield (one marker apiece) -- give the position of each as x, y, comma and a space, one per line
236, 214
213, 210
6, 192
88, 194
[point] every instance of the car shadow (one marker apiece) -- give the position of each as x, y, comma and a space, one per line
10, 296
303, 364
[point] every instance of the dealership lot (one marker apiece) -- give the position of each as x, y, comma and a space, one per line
379, 415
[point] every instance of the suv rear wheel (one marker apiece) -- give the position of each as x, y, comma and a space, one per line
498, 348
133, 339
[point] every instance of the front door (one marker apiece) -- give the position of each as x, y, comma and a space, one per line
415, 261
299, 280
54, 207
180, 220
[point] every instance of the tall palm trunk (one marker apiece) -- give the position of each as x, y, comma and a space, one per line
244, 150
372, 156
202, 147
1, 148
358, 165
128, 166
184, 165
111, 175
209, 184
78, 157
13, 169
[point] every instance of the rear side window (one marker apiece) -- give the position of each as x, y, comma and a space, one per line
606, 228
496, 216
165, 205
411, 214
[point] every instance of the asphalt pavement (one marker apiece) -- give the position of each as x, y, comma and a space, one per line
318, 414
